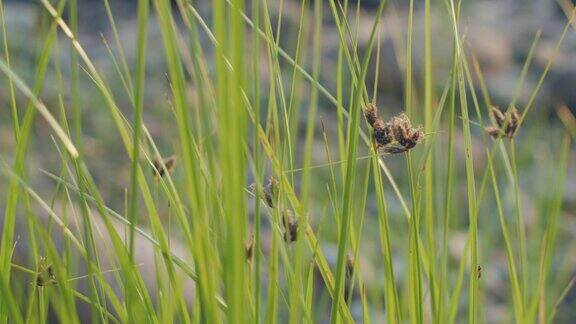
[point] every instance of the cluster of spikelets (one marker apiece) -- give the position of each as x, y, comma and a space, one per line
290, 224
45, 275
505, 124
269, 195
395, 136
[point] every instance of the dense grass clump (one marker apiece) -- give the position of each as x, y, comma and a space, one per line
224, 169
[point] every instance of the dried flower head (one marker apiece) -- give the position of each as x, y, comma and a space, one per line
395, 136
505, 125
290, 227
161, 167
498, 116
371, 114
268, 194
404, 134
382, 134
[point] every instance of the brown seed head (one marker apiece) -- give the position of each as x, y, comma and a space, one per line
506, 125
403, 136
45, 274
293, 231
382, 134
514, 122
414, 136
493, 131
161, 167
371, 114
290, 227
498, 116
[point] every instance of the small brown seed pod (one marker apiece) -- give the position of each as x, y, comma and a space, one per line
505, 125
290, 227
493, 131
45, 275
498, 116
271, 192
403, 136
395, 136
161, 167
371, 114
382, 134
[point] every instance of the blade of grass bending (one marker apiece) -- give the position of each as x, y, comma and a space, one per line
125, 70
75, 77
567, 119
65, 230
9, 303
551, 60
273, 48
96, 78
141, 305
7, 240
200, 248
118, 69
525, 67
118, 118
309, 137
137, 124
13, 107
320, 258
561, 299
294, 107
187, 269
40, 107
